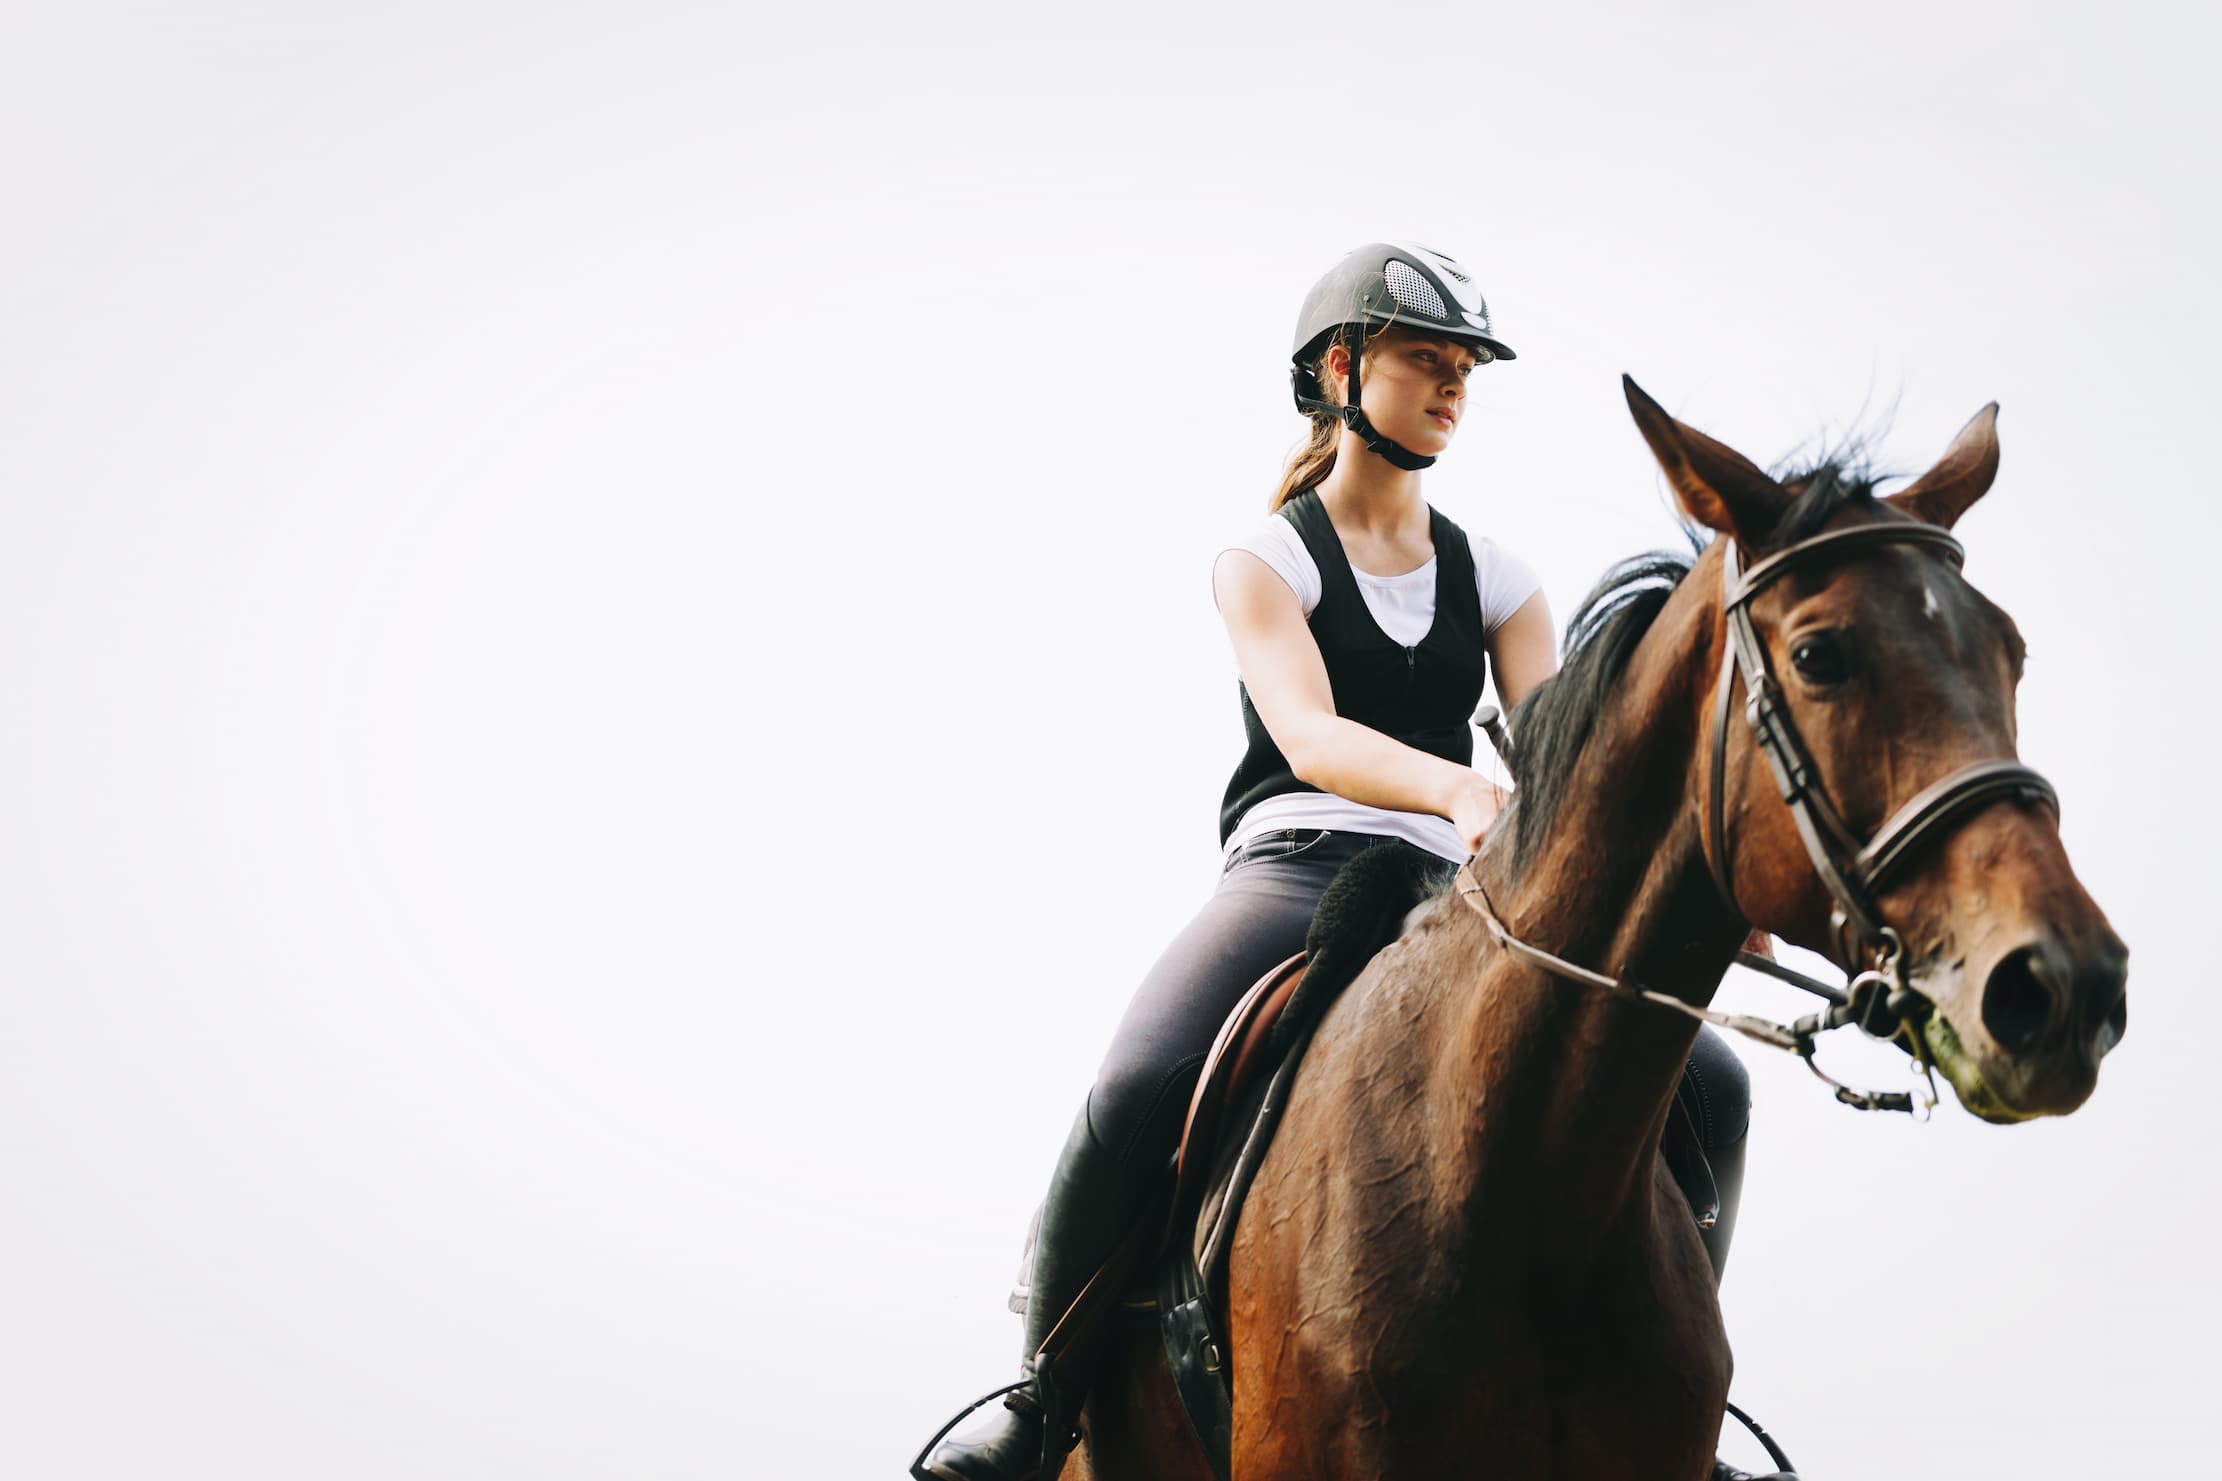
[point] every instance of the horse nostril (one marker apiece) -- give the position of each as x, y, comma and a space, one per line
2117, 1024
2108, 983
2017, 1002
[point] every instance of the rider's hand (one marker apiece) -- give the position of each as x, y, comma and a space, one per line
1476, 807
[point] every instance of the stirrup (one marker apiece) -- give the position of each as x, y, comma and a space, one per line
1060, 1424
1774, 1451
918, 1469
1036, 1390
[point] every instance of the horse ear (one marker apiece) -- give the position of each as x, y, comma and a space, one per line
1961, 476
1717, 486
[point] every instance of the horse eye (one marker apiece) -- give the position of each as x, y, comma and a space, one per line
1822, 658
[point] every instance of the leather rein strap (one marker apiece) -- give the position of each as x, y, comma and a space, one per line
1877, 999
1795, 1038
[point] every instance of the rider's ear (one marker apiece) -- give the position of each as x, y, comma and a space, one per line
1961, 476
1717, 486
1337, 361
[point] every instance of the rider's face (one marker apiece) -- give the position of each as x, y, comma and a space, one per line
1413, 386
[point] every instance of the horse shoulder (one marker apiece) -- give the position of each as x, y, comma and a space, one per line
1339, 1235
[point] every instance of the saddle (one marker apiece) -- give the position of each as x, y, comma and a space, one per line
1173, 1264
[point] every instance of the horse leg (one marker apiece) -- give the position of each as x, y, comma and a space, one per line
1134, 1426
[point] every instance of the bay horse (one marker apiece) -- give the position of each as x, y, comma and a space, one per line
1462, 1254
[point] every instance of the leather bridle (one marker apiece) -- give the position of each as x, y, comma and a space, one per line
1852, 872
1877, 999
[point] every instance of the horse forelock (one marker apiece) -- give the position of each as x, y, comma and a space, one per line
1554, 725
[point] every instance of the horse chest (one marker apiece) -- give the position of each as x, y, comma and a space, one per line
1431, 1369
1414, 1298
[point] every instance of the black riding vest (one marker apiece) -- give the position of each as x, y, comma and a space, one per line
1422, 695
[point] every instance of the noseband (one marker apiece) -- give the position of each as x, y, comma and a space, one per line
1851, 871
1878, 998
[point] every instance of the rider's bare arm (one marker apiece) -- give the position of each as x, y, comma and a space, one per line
1523, 651
1287, 680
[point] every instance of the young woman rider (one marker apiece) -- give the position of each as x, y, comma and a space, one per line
1363, 623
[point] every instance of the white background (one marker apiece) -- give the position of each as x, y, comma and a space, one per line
609, 677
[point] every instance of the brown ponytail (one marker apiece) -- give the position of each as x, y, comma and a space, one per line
1310, 464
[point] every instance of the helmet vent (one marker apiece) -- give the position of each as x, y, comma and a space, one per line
1413, 292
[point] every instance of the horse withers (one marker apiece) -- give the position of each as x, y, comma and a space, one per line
1462, 1254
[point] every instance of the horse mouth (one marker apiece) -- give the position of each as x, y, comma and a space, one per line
1953, 1061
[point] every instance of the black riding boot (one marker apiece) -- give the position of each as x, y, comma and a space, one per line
1727, 1165
1723, 1471
1088, 1209
1728, 1186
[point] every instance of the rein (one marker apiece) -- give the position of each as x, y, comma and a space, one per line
1796, 1038
1877, 1000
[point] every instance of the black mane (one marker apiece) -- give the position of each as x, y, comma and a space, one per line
1840, 478
1553, 723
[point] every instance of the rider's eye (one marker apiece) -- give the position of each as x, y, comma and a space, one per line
1822, 658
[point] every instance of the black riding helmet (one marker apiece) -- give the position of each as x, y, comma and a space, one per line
1385, 283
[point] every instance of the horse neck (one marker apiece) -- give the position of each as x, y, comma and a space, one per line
1577, 1080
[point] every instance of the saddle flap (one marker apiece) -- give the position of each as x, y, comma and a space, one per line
1235, 1055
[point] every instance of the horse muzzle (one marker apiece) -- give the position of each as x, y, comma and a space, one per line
2020, 1032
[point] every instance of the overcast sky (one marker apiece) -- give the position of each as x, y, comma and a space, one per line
610, 677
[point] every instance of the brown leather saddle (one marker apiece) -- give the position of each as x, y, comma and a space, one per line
1187, 1229
1231, 1072
1171, 1267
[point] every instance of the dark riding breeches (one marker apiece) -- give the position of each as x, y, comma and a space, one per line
1256, 919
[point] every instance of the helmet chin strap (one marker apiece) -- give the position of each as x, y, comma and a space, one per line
1353, 416
1395, 452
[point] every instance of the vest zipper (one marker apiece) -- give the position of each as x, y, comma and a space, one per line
1411, 662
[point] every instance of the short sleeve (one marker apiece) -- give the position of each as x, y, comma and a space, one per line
1505, 582
1276, 542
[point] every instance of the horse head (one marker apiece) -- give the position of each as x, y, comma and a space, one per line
1867, 801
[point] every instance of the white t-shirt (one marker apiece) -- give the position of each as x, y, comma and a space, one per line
1404, 606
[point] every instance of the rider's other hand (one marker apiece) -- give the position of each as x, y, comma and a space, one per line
1475, 809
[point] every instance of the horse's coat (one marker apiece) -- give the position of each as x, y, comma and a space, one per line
1462, 1255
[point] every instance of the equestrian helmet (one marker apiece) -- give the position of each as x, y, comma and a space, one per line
1380, 284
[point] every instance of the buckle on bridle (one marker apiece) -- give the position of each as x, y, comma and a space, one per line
1877, 999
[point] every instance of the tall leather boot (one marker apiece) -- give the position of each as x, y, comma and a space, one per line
1088, 1210
1728, 1182
1723, 1471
